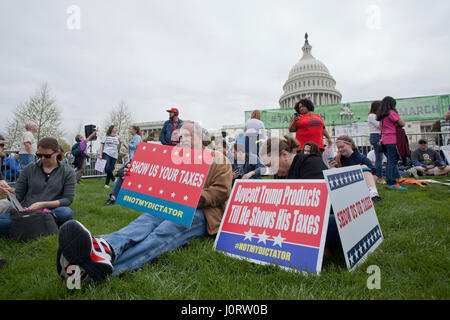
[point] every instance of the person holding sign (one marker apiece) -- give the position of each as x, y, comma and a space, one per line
348, 155
136, 138
281, 157
109, 151
148, 236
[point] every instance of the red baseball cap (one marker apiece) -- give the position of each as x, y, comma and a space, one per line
174, 110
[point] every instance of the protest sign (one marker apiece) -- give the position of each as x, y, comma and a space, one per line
446, 151
100, 165
165, 181
281, 222
354, 212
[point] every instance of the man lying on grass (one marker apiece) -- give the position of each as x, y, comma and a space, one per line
148, 236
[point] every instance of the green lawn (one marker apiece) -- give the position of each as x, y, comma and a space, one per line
413, 260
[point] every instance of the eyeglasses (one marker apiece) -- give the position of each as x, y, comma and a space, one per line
46, 156
422, 142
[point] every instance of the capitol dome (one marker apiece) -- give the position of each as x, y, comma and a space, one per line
311, 77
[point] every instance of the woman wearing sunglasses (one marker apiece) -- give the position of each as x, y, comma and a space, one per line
47, 183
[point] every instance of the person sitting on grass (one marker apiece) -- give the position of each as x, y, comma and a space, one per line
246, 166
47, 183
428, 162
280, 156
311, 148
148, 236
348, 155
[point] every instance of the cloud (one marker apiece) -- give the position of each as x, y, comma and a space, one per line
214, 59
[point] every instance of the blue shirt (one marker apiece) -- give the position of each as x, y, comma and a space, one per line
133, 144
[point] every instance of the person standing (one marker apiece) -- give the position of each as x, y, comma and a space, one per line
375, 137
308, 126
254, 131
389, 119
28, 146
136, 138
79, 151
132, 145
169, 132
109, 151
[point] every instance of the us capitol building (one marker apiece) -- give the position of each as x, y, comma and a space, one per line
309, 76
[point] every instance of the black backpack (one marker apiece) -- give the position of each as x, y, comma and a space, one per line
28, 225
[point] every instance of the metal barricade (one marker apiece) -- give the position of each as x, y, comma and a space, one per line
89, 171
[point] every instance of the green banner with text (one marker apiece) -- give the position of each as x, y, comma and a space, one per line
410, 109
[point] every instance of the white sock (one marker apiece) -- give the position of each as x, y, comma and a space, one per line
373, 192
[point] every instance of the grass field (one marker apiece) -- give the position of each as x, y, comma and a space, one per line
413, 260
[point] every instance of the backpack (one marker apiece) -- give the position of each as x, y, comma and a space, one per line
28, 225
76, 151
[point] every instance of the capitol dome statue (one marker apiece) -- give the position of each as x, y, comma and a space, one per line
309, 76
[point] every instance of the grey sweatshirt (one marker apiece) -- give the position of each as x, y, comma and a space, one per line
32, 186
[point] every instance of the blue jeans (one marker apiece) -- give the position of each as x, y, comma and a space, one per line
25, 159
116, 188
375, 142
392, 173
147, 237
109, 168
62, 214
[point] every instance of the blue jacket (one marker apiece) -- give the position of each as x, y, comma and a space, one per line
166, 133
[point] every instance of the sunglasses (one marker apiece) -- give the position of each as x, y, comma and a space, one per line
2, 145
46, 156
422, 143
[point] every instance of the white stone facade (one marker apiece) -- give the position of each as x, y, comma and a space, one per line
309, 76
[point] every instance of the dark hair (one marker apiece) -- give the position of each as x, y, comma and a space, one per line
138, 130
305, 102
374, 107
289, 144
78, 138
110, 129
52, 144
422, 141
387, 104
314, 148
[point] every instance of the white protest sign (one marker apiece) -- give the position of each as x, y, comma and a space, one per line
100, 165
446, 152
354, 212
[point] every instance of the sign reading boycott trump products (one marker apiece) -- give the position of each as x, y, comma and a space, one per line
354, 212
166, 181
281, 222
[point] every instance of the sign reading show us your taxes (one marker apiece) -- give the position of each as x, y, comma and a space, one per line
354, 212
281, 222
166, 181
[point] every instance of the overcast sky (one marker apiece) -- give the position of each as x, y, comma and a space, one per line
214, 59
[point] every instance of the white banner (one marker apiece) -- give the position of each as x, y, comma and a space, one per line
354, 212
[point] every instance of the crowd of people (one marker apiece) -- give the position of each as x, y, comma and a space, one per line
46, 181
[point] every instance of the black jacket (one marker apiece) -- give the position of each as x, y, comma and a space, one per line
306, 166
